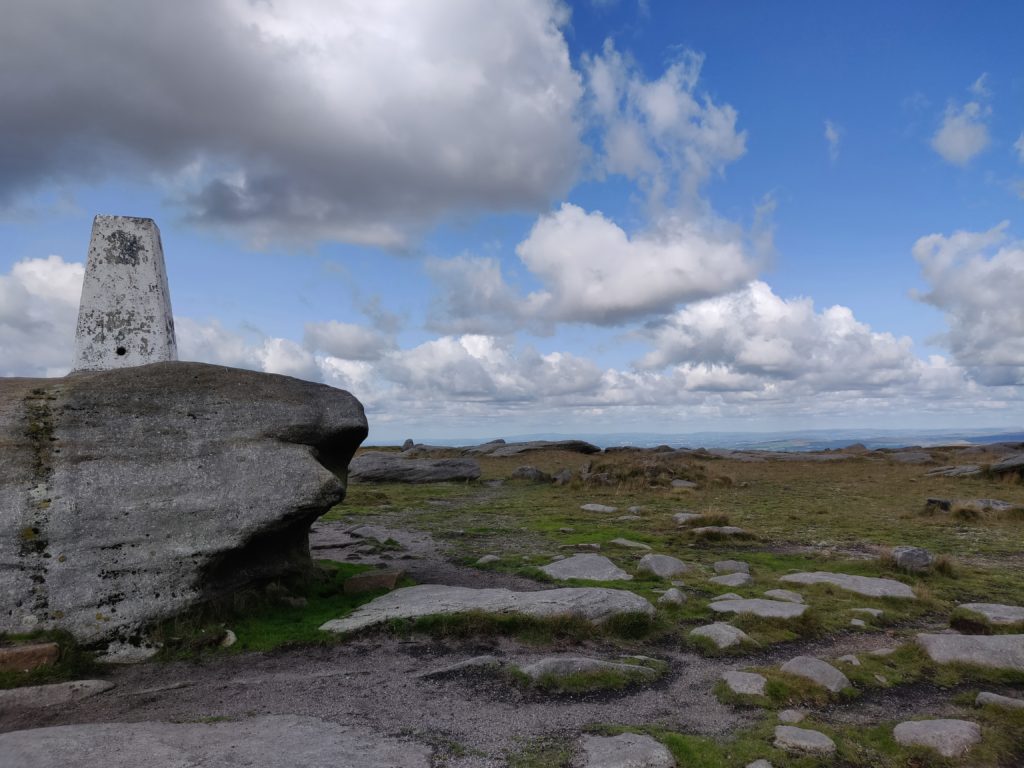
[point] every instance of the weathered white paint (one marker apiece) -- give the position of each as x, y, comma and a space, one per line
124, 318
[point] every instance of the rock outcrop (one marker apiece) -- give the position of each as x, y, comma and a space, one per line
380, 467
127, 496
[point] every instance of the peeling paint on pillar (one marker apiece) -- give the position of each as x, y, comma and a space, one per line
124, 318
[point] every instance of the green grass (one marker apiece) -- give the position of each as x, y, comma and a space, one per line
73, 663
545, 753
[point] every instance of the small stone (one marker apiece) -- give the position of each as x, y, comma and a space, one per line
873, 612
24, 658
599, 508
662, 566
817, 671
719, 530
882, 652
590, 567
792, 716
950, 738
634, 510
530, 474
758, 607
672, 597
487, 559
760, 763
566, 530
882, 679
564, 666
474, 664
857, 623
627, 750
229, 639
628, 518
849, 659
793, 739
912, 558
592, 546
731, 566
682, 518
728, 596
684, 485
732, 580
785, 595
629, 544
745, 683
721, 634
371, 581
994, 699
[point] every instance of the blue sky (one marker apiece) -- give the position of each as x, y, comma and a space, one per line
497, 218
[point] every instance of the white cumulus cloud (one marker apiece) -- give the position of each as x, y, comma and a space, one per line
833, 133
963, 133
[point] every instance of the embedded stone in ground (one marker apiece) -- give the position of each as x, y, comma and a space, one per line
721, 634
818, 672
586, 566
276, 741
849, 659
662, 566
599, 508
995, 613
950, 738
792, 716
719, 530
629, 544
37, 696
873, 612
488, 559
672, 597
994, 699
731, 566
564, 666
727, 596
784, 595
912, 558
745, 683
868, 586
995, 651
627, 750
682, 518
595, 604
794, 739
732, 580
759, 763
766, 608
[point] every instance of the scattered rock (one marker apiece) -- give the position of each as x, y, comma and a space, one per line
882, 679
912, 558
565, 666
859, 623
567, 530
792, 716
475, 664
627, 750
38, 696
586, 566
23, 658
818, 672
995, 613
593, 603
371, 581
986, 698
531, 474
380, 467
732, 580
849, 659
514, 449
563, 477
133, 494
785, 595
662, 566
950, 738
672, 597
274, 741
685, 485
634, 510
602, 508
758, 607
745, 683
862, 585
629, 544
682, 518
229, 639
728, 596
731, 566
760, 763
968, 470
488, 559
628, 518
882, 652
719, 530
995, 651
873, 612
794, 739
721, 634
1009, 465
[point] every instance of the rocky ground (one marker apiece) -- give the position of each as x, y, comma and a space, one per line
836, 671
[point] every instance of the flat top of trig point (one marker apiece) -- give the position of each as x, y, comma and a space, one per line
137, 220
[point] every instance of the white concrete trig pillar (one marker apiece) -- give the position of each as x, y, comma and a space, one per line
124, 318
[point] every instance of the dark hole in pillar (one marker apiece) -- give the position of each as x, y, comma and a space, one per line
121, 351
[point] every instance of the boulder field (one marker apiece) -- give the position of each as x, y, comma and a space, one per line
127, 496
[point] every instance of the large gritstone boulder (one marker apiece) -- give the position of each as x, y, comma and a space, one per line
127, 496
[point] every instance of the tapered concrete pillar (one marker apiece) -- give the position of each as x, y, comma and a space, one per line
124, 318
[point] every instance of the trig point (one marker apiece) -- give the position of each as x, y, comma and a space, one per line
124, 318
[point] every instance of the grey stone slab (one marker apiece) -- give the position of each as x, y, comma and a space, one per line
868, 586
950, 738
986, 698
732, 580
792, 716
785, 595
719, 530
602, 508
564, 666
380, 467
721, 634
995, 651
767, 608
818, 672
596, 604
793, 739
586, 566
124, 318
662, 566
627, 750
672, 597
276, 741
996, 613
745, 683
629, 544
682, 518
731, 566
39, 696
142, 491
